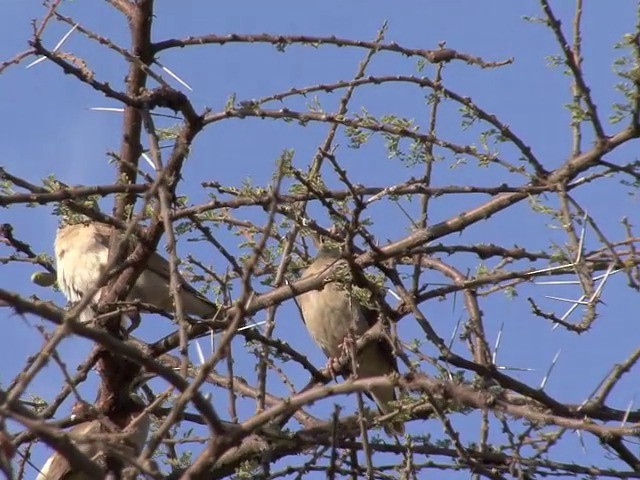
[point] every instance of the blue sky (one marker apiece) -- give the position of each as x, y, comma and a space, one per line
49, 129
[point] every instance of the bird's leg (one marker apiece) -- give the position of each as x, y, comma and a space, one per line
329, 366
348, 345
91, 308
348, 351
71, 304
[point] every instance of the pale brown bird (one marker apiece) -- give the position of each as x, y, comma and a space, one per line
82, 252
329, 313
134, 423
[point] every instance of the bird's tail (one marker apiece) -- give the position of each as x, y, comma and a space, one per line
383, 397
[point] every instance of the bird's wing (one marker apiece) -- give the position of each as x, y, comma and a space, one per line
372, 317
319, 265
385, 360
57, 466
160, 266
102, 233
156, 263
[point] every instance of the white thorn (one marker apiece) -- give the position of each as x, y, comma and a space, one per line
516, 369
199, 352
584, 448
453, 334
546, 377
36, 61
558, 282
178, 79
567, 300
64, 39
577, 181
394, 294
550, 269
497, 345
249, 300
596, 294
148, 159
572, 308
55, 49
253, 325
583, 233
107, 109
607, 273
628, 412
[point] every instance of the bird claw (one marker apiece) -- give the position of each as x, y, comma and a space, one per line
345, 349
347, 345
329, 366
135, 323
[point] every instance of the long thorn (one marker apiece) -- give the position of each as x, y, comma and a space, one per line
596, 294
546, 377
567, 300
173, 75
55, 49
583, 234
497, 345
627, 412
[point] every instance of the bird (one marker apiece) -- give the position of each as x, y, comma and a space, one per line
329, 313
133, 421
82, 253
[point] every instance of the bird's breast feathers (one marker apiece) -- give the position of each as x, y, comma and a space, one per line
329, 314
80, 262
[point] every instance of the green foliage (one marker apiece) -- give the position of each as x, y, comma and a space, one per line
578, 113
535, 19
63, 210
510, 292
537, 206
230, 104
6, 187
554, 60
627, 68
285, 163
169, 133
247, 471
357, 136
314, 105
393, 141
469, 116
482, 270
